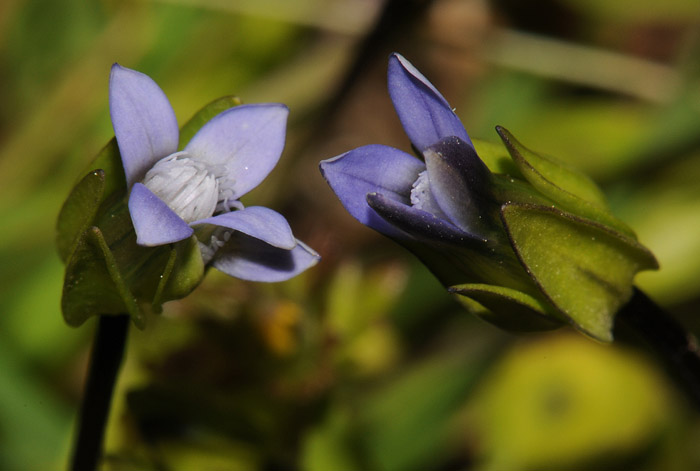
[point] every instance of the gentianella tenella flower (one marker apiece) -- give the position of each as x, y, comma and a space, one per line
523, 241
148, 234
173, 192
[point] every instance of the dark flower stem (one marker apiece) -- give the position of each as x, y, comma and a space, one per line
642, 319
105, 360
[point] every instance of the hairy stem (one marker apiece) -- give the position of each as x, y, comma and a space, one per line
642, 319
105, 360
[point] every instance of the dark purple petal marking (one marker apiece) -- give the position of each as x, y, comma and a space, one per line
424, 113
143, 120
417, 223
458, 181
154, 222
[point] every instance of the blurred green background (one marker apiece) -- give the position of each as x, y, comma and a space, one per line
364, 362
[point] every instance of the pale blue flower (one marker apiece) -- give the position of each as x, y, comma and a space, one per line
175, 194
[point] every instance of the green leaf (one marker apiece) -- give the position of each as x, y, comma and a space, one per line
203, 116
570, 189
78, 212
585, 269
507, 308
94, 285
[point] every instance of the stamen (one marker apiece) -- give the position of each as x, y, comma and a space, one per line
420, 190
186, 185
422, 196
193, 189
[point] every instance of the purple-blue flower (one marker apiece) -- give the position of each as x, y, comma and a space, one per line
529, 248
175, 194
436, 199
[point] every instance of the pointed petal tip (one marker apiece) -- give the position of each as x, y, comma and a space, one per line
325, 165
425, 114
119, 72
117, 67
397, 60
311, 252
369, 169
143, 120
395, 56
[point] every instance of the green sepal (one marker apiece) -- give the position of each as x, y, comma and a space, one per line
496, 158
157, 303
507, 308
183, 272
122, 276
78, 212
584, 268
570, 189
203, 116
94, 285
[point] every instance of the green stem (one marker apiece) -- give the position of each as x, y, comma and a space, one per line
105, 360
673, 345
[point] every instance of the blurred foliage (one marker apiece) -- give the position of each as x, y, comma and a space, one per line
364, 362
568, 412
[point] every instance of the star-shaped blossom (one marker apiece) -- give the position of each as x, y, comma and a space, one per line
175, 194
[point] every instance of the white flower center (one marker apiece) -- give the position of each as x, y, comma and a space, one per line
422, 196
189, 187
420, 191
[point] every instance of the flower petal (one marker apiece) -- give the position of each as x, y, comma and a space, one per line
258, 222
458, 181
154, 222
424, 113
418, 223
370, 169
143, 120
251, 259
247, 141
